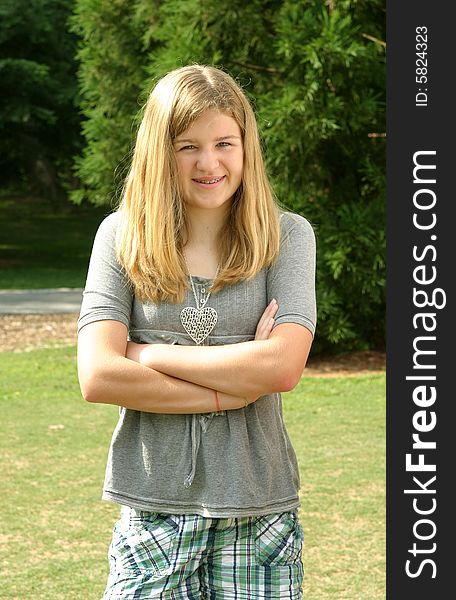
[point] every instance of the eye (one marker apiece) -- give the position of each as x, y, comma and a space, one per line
224, 144
187, 147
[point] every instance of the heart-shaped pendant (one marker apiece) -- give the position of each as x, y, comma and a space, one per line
198, 322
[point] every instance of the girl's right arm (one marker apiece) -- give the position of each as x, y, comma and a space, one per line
105, 374
107, 377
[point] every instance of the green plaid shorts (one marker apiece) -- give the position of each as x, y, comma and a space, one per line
177, 557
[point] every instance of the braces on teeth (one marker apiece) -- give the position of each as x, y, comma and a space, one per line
208, 181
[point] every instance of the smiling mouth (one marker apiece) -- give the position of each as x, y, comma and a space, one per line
209, 180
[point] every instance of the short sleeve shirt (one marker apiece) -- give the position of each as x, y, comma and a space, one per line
236, 463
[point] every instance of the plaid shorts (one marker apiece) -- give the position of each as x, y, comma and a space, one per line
177, 557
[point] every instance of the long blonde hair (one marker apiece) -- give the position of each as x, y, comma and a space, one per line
153, 222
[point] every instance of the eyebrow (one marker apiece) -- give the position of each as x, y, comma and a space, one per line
220, 139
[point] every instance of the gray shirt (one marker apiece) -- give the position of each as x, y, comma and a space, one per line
236, 463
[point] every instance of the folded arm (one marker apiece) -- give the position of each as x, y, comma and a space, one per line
106, 376
273, 363
249, 369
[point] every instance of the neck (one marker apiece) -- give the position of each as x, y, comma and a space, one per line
204, 227
201, 249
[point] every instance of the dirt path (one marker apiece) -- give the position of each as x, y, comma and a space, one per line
19, 333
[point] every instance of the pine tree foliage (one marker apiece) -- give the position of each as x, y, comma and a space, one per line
314, 71
112, 60
39, 120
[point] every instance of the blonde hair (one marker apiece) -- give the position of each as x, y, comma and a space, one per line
153, 223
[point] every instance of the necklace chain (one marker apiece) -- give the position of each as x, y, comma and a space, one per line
202, 303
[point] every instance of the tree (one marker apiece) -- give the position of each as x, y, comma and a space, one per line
325, 161
39, 120
114, 42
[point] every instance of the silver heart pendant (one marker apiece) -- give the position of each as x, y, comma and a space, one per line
198, 322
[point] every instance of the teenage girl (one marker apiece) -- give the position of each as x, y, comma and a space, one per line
198, 311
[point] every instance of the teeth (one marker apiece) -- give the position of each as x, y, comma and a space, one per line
208, 180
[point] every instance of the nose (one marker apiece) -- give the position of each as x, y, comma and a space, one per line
207, 160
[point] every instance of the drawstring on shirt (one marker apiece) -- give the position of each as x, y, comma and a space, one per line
200, 424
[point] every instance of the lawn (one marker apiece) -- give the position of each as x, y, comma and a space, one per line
42, 247
54, 530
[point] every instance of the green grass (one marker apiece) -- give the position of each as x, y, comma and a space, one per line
55, 530
45, 248
337, 427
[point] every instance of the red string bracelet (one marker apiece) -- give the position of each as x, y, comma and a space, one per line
217, 403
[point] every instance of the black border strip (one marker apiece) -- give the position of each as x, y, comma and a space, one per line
421, 171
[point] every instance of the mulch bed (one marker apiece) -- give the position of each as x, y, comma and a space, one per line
367, 362
21, 333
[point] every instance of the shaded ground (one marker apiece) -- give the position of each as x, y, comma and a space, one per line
20, 333
45, 246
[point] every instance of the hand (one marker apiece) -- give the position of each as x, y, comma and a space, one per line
229, 402
266, 323
133, 351
146, 354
